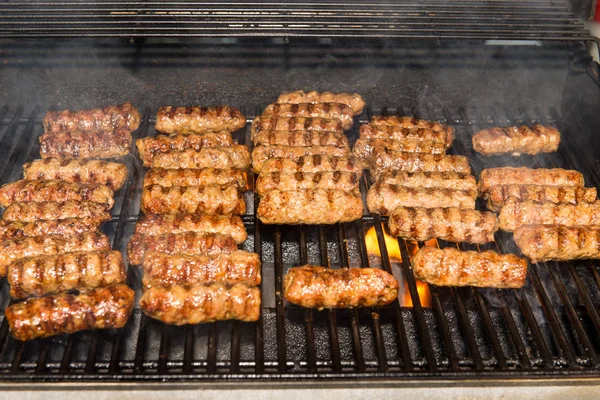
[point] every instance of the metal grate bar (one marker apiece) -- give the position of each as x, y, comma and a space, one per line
188, 349
15, 141
587, 300
211, 361
90, 361
445, 327
41, 364
259, 353
466, 329
65, 363
235, 347
279, 308
489, 327
311, 358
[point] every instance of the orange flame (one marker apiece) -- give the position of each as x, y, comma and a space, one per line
424, 295
391, 245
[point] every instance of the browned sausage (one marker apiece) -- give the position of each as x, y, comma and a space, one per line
124, 116
54, 190
44, 227
195, 177
29, 212
354, 100
195, 119
211, 199
498, 195
236, 156
516, 140
82, 145
558, 242
340, 111
527, 176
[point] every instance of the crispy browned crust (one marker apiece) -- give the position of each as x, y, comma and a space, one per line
385, 159
527, 176
262, 154
124, 116
332, 180
411, 123
516, 140
354, 100
270, 123
316, 163
196, 177
558, 242
51, 210
363, 148
61, 227
101, 308
516, 213
50, 274
195, 119
54, 190
390, 132
100, 172
92, 144
179, 305
340, 111
447, 180
211, 199
317, 287
452, 267
498, 195
236, 156
301, 138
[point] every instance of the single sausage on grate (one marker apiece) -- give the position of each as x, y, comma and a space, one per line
196, 177
452, 267
179, 305
270, 123
236, 156
101, 308
315, 163
317, 287
413, 123
195, 119
499, 194
262, 154
527, 176
111, 174
332, 180
54, 190
446, 180
301, 138
210, 199
124, 116
43, 227
363, 148
558, 242
82, 145
353, 100
48, 210
340, 111
516, 140
385, 159
391, 132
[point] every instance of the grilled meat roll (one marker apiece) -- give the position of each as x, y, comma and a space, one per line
516, 213
317, 287
314, 163
124, 116
353, 100
185, 120
29, 212
99, 172
149, 146
332, 180
389, 132
558, 242
516, 140
409, 122
452, 267
179, 305
384, 159
272, 123
363, 148
195, 177
61, 227
236, 156
527, 176
261, 154
309, 206
101, 308
451, 224
14, 249
498, 195
383, 198
340, 111
185, 269
174, 243
54, 190
301, 138
228, 225
93, 144
42, 275
211, 199
447, 180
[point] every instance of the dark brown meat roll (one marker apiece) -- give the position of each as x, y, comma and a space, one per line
262, 154
196, 177
294, 124
60, 227
301, 138
92, 144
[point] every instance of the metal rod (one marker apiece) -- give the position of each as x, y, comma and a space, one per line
311, 358
279, 308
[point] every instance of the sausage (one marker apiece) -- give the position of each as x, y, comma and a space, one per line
100, 172
15, 249
229, 225
236, 156
363, 148
317, 287
309, 206
195, 177
195, 119
29, 212
410, 122
516, 213
54, 190
92, 144
101, 308
498, 195
261, 154
179, 305
42, 227
354, 100
211, 199
340, 111
124, 116
452, 267
51, 274
301, 138
384, 159
527, 176
383, 198
447, 180
452, 224
149, 146
189, 269
184, 243
389, 132
557, 242
271, 123
332, 180
516, 140
315, 163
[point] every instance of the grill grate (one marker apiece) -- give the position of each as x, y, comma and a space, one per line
549, 328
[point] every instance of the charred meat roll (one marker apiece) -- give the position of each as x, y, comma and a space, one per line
384, 159
283, 181
124, 116
101, 308
452, 267
195, 177
185, 120
301, 138
100, 172
236, 156
273, 123
149, 146
446, 180
389, 132
210, 199
317, 287
363, 148
516, 213
29, 212
228, 225
340, 111
315, 163
498, 195
93, 144
261, 154
516, 140
383, 198
54, 190
15, 249
42, 275
309, 206
189, 269
452, 224
353, 100
174, 243
61, 227
527, 176
179, 305
558, 243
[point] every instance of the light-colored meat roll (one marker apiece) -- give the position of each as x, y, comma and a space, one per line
211, 199
270, 123
354, 100
332, 180
363, 148
527, 176
84, 145
558, 243
340, 111
236, 156
196, 177
410, 122
315, 163
123, 116
261, 154
54, 190
446, 180
301, 138
516, 140
516, 213
389, 132
384, 159
51, 210
498, 195
195, 119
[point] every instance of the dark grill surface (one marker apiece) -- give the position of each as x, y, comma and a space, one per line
550, 328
